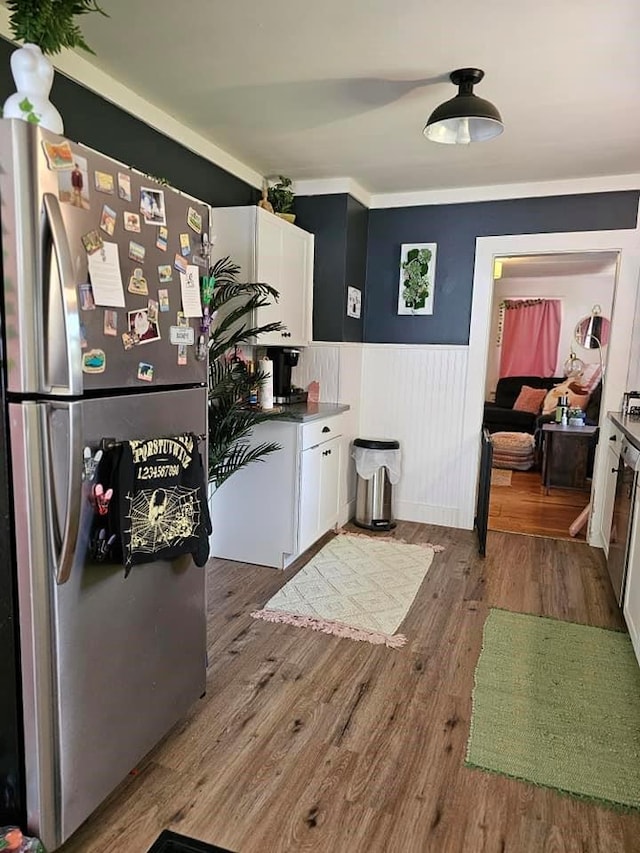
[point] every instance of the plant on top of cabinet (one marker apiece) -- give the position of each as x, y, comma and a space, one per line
230, 418
281, 197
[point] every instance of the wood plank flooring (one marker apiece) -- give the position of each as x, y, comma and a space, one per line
523, 507
314, 744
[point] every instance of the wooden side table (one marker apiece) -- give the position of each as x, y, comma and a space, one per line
564, 456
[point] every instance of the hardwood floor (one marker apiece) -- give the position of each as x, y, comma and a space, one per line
523, 507
306, 742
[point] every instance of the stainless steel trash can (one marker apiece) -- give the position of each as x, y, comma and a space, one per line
374, 493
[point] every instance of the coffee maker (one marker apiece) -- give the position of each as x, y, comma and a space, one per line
283, 359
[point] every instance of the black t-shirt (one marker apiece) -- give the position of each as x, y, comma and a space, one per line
159, 509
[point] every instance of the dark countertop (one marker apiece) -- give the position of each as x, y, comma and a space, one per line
304, 412
629, 426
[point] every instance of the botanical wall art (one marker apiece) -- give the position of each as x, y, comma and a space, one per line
417, 278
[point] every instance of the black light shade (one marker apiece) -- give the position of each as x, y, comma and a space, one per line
465, 118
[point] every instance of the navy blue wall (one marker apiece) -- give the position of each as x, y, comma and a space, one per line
325, 216
356, 265
454, 227
339, 224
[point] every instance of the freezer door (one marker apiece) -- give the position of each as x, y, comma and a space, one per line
51, 319
109, 664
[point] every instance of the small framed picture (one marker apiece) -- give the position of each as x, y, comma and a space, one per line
137, 252
124, 186
131, 221
180, 264
162, 238
104, 182
194, 220
145, 372
110, 322
108, 220
354, 301
417, 278
152, 206
87, 302
92, 242
165, 273
141, 326
73, 184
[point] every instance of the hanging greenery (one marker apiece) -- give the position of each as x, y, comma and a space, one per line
50, 23
231, 420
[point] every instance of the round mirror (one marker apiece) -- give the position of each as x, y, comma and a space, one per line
592, 331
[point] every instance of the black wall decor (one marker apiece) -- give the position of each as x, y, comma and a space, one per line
93, 121
454, 227
339, 224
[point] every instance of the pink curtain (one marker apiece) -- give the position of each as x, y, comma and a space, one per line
530, 337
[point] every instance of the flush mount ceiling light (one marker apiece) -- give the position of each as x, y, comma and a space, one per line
465, 118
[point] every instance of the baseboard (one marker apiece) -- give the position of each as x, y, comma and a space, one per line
445, 516
347, 511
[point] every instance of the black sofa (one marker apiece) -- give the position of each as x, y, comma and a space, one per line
501, 416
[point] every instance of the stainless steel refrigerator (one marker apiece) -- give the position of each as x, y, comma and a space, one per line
106, 664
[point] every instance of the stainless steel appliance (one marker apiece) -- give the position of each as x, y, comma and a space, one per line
283, 359
107, 665
622, 517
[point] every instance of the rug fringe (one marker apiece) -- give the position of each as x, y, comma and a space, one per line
330, 626
389, 537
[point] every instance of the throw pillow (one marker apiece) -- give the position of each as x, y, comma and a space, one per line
529, 400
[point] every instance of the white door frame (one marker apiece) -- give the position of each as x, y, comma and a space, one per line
626, 242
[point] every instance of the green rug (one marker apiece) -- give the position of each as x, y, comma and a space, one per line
558, 705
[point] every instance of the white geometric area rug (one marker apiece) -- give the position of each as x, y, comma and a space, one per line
357, 586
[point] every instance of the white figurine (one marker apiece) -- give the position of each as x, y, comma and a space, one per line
33, 76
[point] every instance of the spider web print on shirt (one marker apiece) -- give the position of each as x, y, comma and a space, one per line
162, 517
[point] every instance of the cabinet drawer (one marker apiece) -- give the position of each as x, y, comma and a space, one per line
318, 431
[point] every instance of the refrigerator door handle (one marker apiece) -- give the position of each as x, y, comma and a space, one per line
65, 535
69, 300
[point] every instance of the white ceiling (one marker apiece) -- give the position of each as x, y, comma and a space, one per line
556, 265
343, 88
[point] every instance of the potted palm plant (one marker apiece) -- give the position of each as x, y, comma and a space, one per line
231, 420
45, 28
281, 197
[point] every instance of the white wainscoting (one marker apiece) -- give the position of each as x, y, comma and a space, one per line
416, 395
410, 393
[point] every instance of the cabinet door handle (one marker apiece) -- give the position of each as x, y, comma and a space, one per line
326, 429
613, 438
614, 470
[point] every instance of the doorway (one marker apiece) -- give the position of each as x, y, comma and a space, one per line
539, 350
627, 243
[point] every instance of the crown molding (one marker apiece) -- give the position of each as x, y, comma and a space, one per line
73, 65
497, 192
332, 186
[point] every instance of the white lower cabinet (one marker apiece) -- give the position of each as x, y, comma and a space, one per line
609, 493
631, 602
319, 488
272, 511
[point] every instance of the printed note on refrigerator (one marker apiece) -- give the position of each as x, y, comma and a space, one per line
190, 287
106, 279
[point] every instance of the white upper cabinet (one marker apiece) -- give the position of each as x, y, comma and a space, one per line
270, 250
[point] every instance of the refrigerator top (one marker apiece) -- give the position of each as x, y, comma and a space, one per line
102, 268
